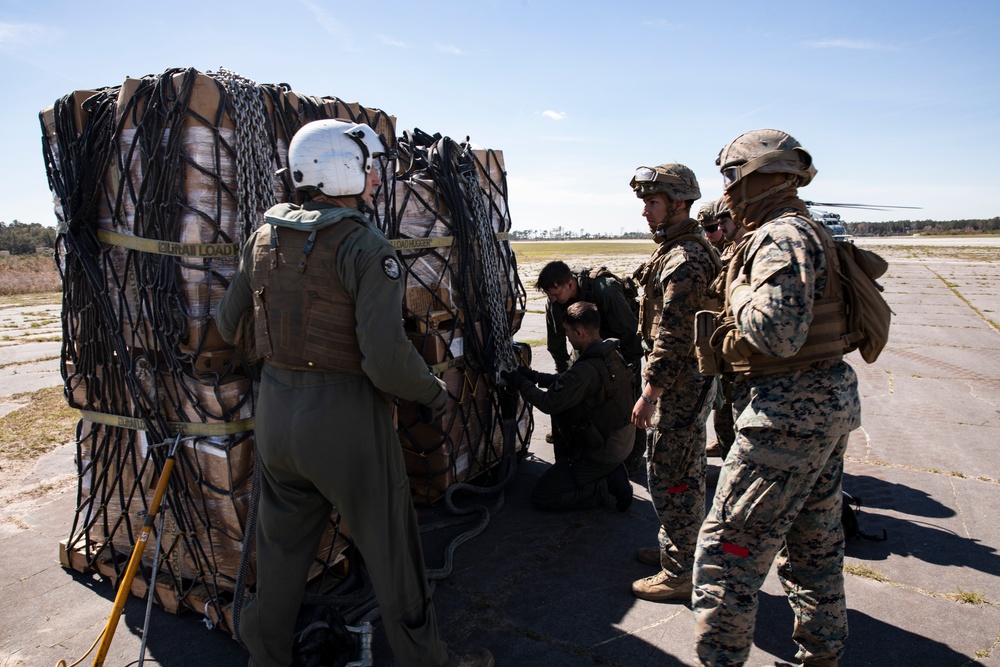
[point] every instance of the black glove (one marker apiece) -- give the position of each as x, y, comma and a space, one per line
512, 379
530, 375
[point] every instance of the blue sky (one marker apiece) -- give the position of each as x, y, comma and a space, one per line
898, 102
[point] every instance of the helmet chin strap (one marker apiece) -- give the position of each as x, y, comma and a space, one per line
661, 229
362, 205
738, 209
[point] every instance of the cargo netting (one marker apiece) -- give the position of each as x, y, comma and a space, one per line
157, 183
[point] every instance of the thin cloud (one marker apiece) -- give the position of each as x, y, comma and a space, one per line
448, 48
330, 25
554, 115
389, 41
662, 24
850, 44
23, 33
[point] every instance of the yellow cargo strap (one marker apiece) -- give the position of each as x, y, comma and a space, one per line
177, 249
439, 369
183, 428
173, 248
434, 242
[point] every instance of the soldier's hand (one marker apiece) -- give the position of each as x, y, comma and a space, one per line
436, 408
512, 379
530, 375
642, 413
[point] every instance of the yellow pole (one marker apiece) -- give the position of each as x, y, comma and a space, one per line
133, 564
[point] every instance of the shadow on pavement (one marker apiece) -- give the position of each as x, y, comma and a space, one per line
872, 643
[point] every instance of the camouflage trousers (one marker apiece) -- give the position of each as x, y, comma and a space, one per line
676, 469
780, 501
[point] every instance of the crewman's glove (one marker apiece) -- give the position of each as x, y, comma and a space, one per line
434, 410
512, 379
530, 375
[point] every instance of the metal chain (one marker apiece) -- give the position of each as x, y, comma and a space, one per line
503, 351
255, 164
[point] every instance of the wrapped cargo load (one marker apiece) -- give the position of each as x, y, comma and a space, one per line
156, 184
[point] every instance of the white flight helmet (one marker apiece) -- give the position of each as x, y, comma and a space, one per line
333, 157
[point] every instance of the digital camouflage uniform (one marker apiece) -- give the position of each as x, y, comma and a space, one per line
327, 440
591, 406
722, 415
781, 496
677, 274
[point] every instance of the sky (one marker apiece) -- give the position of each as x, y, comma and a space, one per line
897, 101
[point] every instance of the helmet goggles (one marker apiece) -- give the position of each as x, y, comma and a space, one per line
734, 172
650, 175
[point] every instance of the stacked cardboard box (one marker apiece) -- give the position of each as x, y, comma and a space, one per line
161, 152
166, 168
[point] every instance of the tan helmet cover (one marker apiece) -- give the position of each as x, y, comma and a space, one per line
767, 151
674, 180
721, 209
706, 214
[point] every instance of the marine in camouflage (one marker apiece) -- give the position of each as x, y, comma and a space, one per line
779, 498
677, 275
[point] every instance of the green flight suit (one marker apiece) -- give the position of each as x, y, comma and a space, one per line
327, 440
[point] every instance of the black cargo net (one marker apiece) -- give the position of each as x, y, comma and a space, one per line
157, 183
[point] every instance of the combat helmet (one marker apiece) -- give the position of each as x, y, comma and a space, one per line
766, 151
706, 214
674, 180
720, 209
333, 157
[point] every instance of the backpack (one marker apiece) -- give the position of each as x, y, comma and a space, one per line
629, 286
867, 313
849, 519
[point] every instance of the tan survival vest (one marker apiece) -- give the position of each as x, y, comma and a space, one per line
303, 317
826, 340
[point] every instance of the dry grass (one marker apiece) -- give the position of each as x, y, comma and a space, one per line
42, 424
28, 274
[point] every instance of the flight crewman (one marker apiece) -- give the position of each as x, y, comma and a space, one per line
796, 401
591, 408
676, 398
563, 287
324, 288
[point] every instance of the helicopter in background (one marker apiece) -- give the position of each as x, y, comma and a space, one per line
835, 223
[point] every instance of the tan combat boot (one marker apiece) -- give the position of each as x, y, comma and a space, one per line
663, 587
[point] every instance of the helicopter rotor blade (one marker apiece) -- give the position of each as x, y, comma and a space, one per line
870, 207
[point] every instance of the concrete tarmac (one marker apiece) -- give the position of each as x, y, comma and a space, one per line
553, 589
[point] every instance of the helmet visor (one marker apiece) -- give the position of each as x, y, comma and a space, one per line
730, 175
649, 175
734, 172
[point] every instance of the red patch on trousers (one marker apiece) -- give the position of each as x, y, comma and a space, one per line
677, 489
735, 549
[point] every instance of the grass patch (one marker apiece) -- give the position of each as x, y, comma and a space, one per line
39, 427
968, 597
862, 570
50, 298
535, 342
27, 361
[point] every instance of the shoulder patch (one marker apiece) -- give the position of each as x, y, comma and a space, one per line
390, 267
